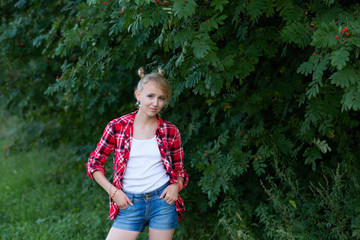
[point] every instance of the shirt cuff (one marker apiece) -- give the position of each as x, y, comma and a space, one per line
91, 170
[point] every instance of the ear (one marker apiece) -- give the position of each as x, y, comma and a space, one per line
137, 93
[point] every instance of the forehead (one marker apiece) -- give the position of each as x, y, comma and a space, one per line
153, 87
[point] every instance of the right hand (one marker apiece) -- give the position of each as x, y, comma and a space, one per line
122, 200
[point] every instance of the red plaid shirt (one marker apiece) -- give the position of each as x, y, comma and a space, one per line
117, 138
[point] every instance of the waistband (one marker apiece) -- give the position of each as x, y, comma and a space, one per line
148, 195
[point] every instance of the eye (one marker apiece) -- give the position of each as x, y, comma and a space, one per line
162, 98
150, 96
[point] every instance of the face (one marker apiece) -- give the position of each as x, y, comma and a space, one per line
151, 98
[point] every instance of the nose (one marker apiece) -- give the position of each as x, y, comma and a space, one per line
155, 102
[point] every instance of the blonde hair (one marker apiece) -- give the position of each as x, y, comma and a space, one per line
157, 77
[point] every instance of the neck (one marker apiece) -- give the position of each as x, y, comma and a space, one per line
145, 120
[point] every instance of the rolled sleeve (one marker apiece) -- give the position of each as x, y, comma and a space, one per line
177, 155
104, 148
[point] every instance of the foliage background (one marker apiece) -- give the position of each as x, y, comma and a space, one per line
266, 95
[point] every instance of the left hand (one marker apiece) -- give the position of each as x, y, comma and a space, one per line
170, 193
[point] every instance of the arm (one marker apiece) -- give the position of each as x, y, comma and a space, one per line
104, 148
176, 151
171, 193
96, 170
118, 196
177, 155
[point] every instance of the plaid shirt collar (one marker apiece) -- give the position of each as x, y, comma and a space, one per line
159, 119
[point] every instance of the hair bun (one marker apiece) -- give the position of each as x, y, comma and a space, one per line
161, 72
141, 72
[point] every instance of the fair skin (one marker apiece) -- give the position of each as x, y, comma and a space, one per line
152, 100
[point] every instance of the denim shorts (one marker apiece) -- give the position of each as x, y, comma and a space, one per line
148, 210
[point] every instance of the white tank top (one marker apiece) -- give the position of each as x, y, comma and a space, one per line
145, 169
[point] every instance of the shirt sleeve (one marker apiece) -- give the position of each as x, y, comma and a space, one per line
100, 155
177, 155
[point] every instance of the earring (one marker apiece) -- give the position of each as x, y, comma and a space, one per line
138, 104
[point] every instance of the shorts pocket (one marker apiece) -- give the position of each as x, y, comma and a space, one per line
131, 197
166, 203
123, 209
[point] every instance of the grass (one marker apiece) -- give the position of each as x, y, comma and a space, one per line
45, 194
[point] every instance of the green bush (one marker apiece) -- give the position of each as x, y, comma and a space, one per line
258, 86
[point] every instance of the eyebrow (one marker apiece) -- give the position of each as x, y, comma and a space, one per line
150, 93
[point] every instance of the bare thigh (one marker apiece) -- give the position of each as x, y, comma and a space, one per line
161, 234
121, 234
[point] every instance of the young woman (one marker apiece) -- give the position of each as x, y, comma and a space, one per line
148, 166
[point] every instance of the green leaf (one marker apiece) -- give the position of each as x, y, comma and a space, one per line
351, 98
325, 36
291, 13
320, 67
306, 68
181, 37
184, 9
219, 4
292, 202
201, 45
322, 145
297, 33
339, 57
92, 2
255, 8
344, 78
312, 154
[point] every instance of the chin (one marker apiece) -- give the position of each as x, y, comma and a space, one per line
151, 113
154, 113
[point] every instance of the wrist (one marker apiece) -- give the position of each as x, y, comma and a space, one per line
113, 195
112, 191
176, 185
180, 185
